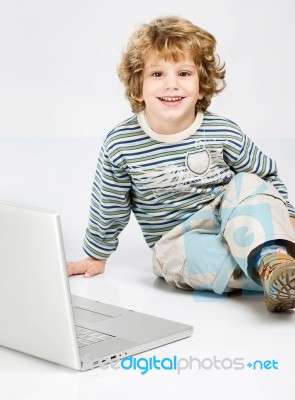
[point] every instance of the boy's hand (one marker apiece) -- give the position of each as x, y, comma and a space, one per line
88, 266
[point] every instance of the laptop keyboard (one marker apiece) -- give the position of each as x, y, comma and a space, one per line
87, 337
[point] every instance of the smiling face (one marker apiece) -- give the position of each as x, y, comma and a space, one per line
170, 92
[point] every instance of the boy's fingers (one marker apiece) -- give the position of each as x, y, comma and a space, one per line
74, 268
70, 268
94, 270
91, 272
87, 267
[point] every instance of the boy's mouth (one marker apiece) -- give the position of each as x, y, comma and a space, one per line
171, 99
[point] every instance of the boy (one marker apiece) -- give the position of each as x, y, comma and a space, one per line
209, 202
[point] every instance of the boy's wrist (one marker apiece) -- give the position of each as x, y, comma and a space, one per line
103, 260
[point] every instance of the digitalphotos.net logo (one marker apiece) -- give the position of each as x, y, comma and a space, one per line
179, 365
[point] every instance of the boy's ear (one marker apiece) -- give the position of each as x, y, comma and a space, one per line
201, 95
137, 98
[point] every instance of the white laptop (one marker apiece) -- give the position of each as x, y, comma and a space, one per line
38, 315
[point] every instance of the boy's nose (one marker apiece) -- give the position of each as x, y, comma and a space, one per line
171, 83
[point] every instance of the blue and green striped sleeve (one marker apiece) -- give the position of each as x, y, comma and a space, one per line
242, 155
109, 208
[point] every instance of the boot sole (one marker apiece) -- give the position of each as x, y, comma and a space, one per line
280, 288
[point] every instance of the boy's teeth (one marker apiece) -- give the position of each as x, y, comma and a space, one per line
170, 98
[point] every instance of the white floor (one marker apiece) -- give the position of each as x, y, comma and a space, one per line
229, 332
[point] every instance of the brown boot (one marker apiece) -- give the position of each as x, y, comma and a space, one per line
277, 272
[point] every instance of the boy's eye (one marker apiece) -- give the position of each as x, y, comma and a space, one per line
184, 73
157, 74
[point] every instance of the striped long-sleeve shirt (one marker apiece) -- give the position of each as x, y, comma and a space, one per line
164, 179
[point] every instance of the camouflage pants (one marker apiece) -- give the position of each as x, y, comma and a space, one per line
210, 250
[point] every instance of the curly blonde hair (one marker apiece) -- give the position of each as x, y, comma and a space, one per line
170, 38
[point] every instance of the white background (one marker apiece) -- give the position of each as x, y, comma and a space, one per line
59, 58
60, 95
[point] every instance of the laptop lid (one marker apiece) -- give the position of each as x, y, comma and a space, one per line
36, 314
